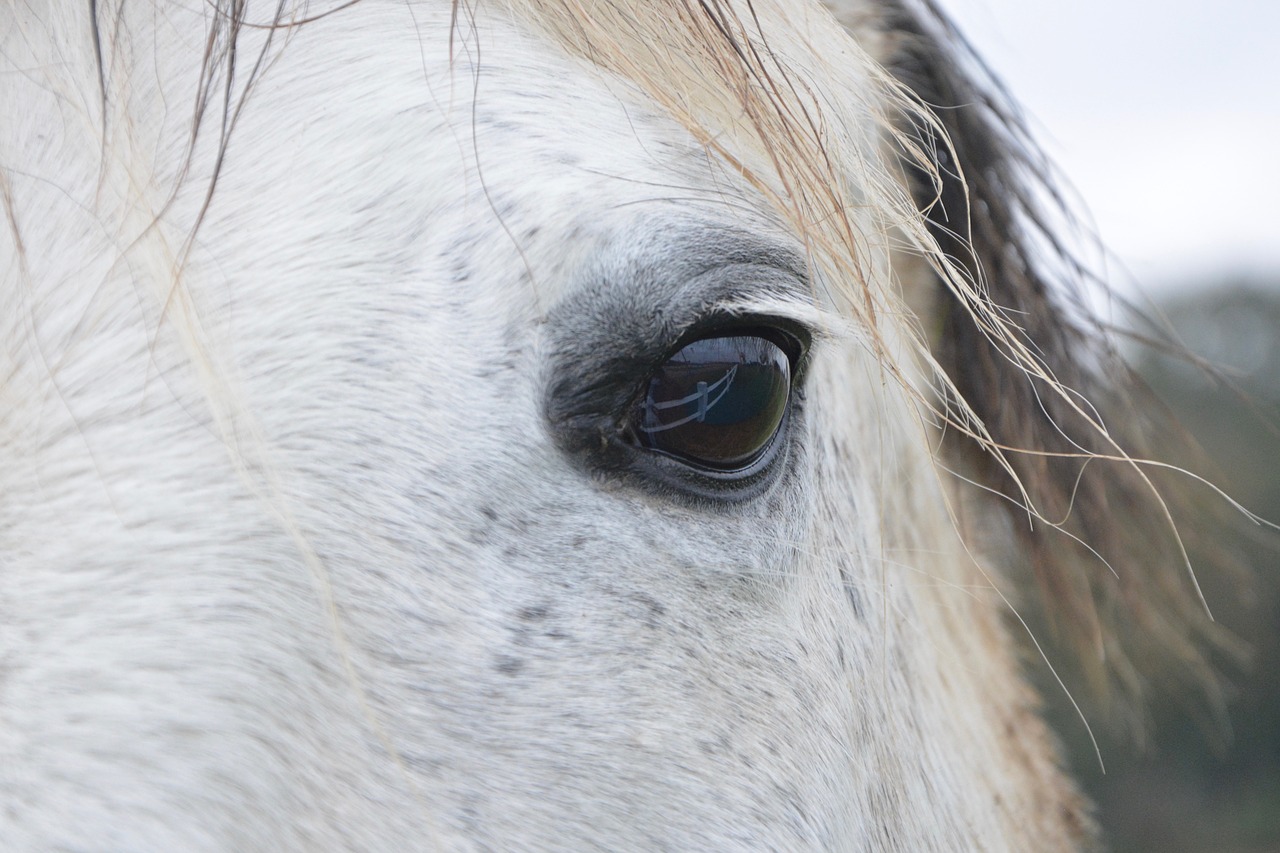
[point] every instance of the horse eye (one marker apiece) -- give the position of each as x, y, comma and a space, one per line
717, 403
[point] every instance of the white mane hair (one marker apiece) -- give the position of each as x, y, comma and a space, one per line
322, 524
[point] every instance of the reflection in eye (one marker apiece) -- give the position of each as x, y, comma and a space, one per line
718, 402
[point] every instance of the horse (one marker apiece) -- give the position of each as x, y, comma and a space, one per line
548, 424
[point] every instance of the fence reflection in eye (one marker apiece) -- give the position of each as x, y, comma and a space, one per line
717, 402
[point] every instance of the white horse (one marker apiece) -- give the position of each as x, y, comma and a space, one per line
539, 424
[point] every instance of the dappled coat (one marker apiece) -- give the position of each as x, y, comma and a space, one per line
544, 424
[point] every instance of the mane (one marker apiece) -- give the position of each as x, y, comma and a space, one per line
1105, 524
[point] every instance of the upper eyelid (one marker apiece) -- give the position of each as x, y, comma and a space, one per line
635, 304
820, 324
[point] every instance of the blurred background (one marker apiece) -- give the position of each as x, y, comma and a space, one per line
1164, 118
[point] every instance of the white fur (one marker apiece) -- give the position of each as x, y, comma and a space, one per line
289, 556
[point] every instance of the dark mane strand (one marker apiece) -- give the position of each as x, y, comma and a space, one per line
1113, 584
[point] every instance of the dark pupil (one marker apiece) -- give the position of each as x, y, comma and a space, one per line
717, 402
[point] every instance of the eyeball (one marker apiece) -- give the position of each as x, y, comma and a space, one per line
717, 403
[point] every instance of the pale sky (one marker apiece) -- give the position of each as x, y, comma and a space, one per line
1164, 115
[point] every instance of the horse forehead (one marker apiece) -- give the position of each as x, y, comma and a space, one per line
485, 144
